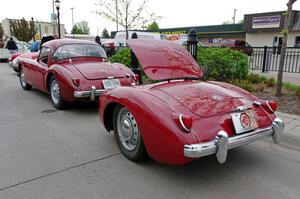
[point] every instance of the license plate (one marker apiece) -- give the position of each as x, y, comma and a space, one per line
111, 83
244, 121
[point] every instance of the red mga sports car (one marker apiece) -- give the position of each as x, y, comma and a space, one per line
70, 69
181, 118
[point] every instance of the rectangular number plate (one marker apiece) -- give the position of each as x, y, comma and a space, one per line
111, 83
244, 121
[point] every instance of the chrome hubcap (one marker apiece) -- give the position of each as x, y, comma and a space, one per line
22, 78
55, 92
127, 129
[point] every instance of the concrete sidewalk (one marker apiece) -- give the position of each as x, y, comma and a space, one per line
293, 78
291, 136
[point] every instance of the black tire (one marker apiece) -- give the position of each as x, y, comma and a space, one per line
23, 83
137, 153
54, 93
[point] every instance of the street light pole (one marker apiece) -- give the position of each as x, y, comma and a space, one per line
32, 21
72, 20
234, 13
57, 5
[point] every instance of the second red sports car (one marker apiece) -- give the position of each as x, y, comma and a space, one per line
70, 70
182, 118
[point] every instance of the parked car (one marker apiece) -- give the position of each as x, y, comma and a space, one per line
23, 47
109, 47
120, 37
70, 69
14, 59
182, 118
239, 45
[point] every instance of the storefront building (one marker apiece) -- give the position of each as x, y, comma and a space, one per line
259, 29
265, 29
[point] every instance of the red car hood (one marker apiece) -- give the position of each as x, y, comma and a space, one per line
99, 70
204, 99
163, 60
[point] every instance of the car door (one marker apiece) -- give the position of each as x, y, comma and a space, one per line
39, 70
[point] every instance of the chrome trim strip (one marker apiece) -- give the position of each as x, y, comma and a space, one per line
91, 93
222, 142
257, 103
182, 124
267, 102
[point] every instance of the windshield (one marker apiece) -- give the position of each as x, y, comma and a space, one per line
78, 50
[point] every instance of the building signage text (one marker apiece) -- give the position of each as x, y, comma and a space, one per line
266, 22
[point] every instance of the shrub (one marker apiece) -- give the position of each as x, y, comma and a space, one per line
270, 82
122, 56
223, 64
244, 84
292, 87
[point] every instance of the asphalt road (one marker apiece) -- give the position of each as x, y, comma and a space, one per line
46, 153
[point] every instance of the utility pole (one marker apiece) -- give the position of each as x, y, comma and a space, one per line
285, 31
54, 18
72, 20
234, 13
117, 20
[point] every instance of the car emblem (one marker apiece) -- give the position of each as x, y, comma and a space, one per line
245, 120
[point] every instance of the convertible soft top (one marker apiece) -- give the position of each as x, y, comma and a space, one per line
163, 60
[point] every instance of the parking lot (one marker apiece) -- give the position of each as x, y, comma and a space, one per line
45, 153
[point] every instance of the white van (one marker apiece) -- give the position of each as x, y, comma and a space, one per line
120, 37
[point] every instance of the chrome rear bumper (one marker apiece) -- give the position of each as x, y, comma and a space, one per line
91, 93
222, 143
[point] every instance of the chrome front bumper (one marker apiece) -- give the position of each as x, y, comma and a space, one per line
91, 93
222, 143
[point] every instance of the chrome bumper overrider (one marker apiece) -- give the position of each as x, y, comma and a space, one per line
222, 142
91, 93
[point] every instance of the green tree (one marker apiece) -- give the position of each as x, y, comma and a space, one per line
81, 27
1, 32
22, 30
153, 26
126, 13
105, 33
1, 36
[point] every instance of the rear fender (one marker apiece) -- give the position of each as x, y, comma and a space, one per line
163, 139
64, 79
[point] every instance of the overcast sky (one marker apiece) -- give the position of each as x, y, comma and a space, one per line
176, 13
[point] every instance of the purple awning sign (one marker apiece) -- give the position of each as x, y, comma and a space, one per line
266, 22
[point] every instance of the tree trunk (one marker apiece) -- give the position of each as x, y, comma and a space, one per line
287, 25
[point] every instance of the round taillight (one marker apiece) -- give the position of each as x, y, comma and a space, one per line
272, 105
76, 81
186, 122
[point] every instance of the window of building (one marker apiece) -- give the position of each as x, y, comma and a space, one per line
297, 41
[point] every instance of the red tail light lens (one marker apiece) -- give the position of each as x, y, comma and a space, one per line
185, 122
76, 81
272, 105
136, 77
